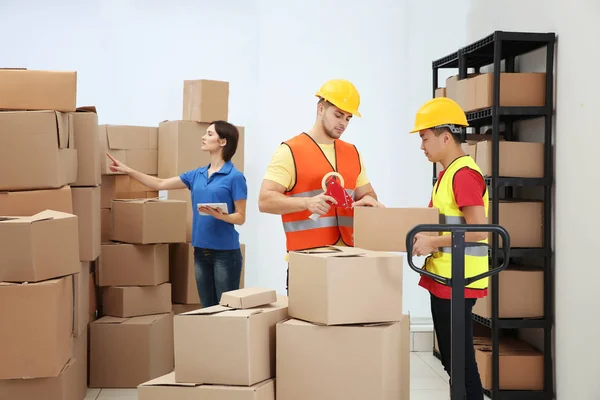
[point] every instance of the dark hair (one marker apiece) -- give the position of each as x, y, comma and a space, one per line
458, 137
229, 132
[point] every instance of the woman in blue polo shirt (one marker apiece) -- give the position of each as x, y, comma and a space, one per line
217, 254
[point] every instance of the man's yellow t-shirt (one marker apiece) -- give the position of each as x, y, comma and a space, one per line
283, 171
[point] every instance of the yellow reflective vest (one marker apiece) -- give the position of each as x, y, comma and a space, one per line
476, 256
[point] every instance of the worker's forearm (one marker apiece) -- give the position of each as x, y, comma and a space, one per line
371, 193
446, 240
234, 219
151, 181
278, 203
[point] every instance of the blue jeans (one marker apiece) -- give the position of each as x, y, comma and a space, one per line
217, 271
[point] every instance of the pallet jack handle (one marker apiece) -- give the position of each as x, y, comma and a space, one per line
458, 282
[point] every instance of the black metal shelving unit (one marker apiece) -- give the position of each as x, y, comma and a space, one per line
492, 50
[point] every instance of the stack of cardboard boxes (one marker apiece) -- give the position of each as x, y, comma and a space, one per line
49, 233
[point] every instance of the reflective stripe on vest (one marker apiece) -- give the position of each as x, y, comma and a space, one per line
322, 222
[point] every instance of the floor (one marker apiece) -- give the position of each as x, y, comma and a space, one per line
428, 381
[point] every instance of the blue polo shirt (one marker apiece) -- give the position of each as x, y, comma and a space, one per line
225, 186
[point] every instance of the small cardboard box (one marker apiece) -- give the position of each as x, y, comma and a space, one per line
385, 229
27, 203
353, 362
37, 323
135, 301
166, 387
516, 159
135, 146
517, 89
86, 205
116, 187
237, 346
523, 220
324, 283
122, 264
148, 221
126, 352
205, 100
38, 148
28, 247
85, 130
248, 298
22, 89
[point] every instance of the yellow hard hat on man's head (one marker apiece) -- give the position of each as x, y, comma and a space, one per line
342, 94
440, 111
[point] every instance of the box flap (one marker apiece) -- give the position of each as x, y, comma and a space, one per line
168, 380
334, 251
87, 109
207, 311
222, 311
240, 313
51, 214
248, 298
48, 282
145, 320
63, 130
108, 320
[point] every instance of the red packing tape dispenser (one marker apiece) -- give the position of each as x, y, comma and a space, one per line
333, 185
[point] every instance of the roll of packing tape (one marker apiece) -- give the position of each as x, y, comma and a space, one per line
327, 175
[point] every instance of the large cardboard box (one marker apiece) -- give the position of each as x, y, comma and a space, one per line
135, 301
180, 148
184, 195
123, 187
166, 387
29, 247
518, 89
205, 100
148, 221
86, 205
324, 283
106, 224
136, 146
237, 346
38, 148
516, 159
182, 274
343, 362
81, 307
385, 229
37, 322
22, 89
27, 203
523, 220
520, 295
126, 352
122, 264
87, 144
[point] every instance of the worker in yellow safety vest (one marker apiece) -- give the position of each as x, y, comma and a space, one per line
461, 196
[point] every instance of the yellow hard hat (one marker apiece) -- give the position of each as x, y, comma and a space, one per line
342, 94
438, 112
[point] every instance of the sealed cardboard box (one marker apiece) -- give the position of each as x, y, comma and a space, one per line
81, 314
22, 89
517, 89
135, 146
180, 148
515, 159
184, 195
135, 301
523, 220
122, 264
126, 352
205, 100
462, 91
27, 203
116, 187
237, 346
343, 362
148, 221
385, 229
182, 275
38, 147
28, 247
166, 387
323, 286
37, 322
106, 224
87, 144
520, 294
86, 205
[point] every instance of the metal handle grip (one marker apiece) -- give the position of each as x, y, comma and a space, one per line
410, 237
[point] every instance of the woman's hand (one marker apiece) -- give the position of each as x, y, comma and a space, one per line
118, 166
423, 245
213, 212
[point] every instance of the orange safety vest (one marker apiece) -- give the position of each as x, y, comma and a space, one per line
311, 166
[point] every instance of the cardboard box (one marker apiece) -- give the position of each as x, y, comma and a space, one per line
182, 274
135, 146
205, 100
86, 205
106, 224
183, 308
237, 346
520, 294
166, 387
124, 187
87, 144
516, 159
28, 247
126, 352
27, 203
22, 89
122, 264
440, 92
523, 220
244, 299
135, 301
343, 362
81, 314
148, 221
93, 301
180, 148
516, 90
38, 147
37, 322
462, 91
184, 195
385, 229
